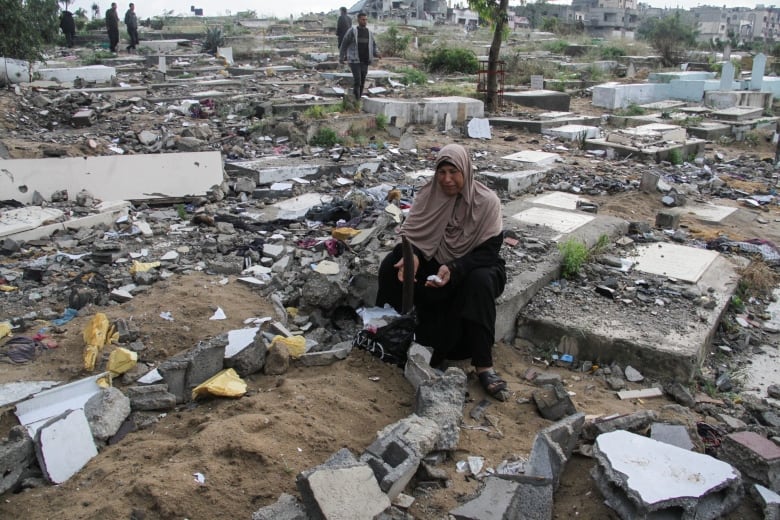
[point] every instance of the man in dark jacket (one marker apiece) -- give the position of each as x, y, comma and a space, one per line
131, 21
68, 26
343, 25
359, 50
112, 26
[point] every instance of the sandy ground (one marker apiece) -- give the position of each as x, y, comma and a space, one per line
251, 448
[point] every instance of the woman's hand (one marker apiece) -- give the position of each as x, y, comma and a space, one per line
400, 266
442, 278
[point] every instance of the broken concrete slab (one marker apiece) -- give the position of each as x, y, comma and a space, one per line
544, 99
34, 412
534, 159
287, 507
64, 445
130, 177
574, 132
538, 126
515, 182
674, 434
97, 73
442, 400
768, 500
430, 110
28, 223
106, 411
17, 457
642, 478
497, 500
674, 260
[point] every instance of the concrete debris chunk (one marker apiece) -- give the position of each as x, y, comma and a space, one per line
17, 458
64, 445
442, 400
106, 411
641, 478
757, 457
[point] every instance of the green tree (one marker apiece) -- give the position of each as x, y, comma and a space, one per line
495, 12
670, 36
26, 28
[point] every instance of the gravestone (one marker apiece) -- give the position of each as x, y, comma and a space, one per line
727, 52
537, 82
757, 74
727, 76
631, 71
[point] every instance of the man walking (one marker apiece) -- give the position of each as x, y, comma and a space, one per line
343, 25
68, 26
360, 50
131, 21
112, 26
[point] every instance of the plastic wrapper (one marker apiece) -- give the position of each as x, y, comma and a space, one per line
97, 334
142, 267
296, 345
226, 383
121, 360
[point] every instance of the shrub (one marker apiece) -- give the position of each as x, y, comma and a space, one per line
213, 40
574, 253
612, 52
381, 121
413, 76
631, 110
325, 136
557, 46
675, 156
393, 43
442, 59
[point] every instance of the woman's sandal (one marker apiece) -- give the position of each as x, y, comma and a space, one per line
493, 384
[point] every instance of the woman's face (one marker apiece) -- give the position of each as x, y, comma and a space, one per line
450, 178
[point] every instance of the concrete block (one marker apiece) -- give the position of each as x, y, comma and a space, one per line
425, 110
674, 434
496, 501
552, 448
442, 400
641, 478
574, 132
151, 397
533, 158
553, 402
17, 457
64, 445
98, 73
417, 371
544, 99
174, 374
334, 491
755, 456
768, 500
649, 182
514, 182
667, 219
614, 96
398, 450
287, 507
337, 352
718, 99
115, 177
106, 411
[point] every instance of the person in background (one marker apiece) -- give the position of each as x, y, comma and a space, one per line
343, 25
68, 26
456, 231
131, 21
112, 26
359, 49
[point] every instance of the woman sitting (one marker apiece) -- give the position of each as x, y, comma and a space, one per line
455, 229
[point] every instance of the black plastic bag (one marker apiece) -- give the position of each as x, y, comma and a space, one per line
389, 343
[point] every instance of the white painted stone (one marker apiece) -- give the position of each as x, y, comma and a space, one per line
574, 132
296, 207
226, 53
709, 212
111, 178
479, 128
675, 261
162, 45
64, 446
98, 73
559, 199
238, 340
16, 391
657, 473
18, 220
349, 493
327, 267
534, 158
560, 221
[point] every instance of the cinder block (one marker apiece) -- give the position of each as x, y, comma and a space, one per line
552, 448
755, 456
667, 220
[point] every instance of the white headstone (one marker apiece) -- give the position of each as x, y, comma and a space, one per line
537, 82
631, 71
727, 76
757, 74
162, 65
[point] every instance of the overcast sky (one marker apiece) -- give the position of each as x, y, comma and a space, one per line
284, 8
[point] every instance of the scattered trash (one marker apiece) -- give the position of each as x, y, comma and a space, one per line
225, 383
219, 314
97, 334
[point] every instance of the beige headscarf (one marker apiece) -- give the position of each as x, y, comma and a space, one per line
446, 228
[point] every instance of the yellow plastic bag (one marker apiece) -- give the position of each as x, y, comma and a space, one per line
344, 233
142, 267
8, 288
121, 360
296, 345
226, 383
97, 334
5, 329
